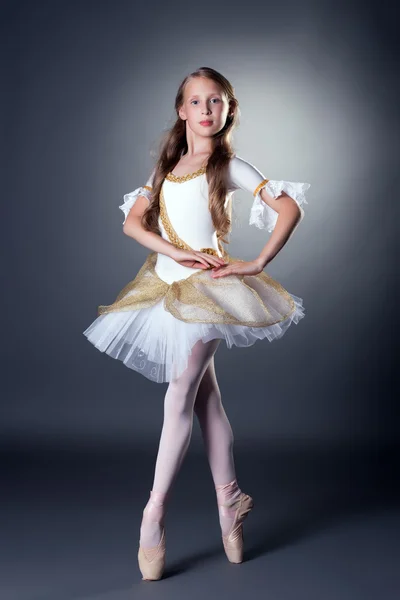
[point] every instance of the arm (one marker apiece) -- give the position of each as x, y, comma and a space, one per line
135, 203
277, 205
134, 229
290, 214
276, 208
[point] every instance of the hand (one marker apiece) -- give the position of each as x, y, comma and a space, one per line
197, 260
253, 267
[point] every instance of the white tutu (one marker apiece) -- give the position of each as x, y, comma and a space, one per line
157, 344
152, 341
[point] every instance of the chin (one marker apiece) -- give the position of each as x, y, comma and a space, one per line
209, 130
205, 132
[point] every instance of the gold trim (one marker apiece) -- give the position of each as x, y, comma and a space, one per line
183, 178
147, 187
173, 236
260, 185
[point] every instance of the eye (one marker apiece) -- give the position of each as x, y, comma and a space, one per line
216, 100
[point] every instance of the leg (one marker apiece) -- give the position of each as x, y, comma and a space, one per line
175, 437
215, 427
218, 439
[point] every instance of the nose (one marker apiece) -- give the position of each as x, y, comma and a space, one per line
206, 110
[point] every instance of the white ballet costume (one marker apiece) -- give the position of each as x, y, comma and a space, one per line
157, 318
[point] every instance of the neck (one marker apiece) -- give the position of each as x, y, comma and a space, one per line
197, 145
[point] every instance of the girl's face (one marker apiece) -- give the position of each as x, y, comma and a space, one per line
204, 101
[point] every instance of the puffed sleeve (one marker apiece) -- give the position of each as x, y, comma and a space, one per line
243, 175
130, 199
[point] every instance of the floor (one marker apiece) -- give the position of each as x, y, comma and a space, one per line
325, 524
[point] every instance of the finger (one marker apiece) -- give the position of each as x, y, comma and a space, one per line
215, 260
202, 261
201, 258
213, 263
194, 264
223, 266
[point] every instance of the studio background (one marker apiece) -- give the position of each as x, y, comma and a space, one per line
90, 89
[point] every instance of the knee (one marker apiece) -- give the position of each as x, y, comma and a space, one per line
180, 398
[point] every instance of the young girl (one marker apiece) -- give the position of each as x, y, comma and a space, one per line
190, 294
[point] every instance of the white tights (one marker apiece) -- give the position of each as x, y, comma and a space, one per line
195, 391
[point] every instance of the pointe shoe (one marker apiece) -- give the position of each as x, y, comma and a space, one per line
233, 542
152, 560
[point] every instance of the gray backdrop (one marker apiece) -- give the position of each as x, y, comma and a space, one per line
89, 89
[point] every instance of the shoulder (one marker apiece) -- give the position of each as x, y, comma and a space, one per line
243, 174
237, 164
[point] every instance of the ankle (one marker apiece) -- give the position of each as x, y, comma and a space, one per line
228, 494
156, 506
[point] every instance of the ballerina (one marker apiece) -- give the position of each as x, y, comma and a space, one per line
190, 294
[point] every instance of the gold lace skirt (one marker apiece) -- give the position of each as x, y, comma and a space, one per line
152, 325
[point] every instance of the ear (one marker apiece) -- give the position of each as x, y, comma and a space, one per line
182, 113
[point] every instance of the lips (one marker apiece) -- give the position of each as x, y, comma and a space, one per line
206, 122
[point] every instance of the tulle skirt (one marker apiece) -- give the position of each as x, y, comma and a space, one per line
152, 326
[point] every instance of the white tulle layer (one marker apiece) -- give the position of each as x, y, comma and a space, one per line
262, 215
157, 345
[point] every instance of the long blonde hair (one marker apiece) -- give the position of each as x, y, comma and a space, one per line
174, 144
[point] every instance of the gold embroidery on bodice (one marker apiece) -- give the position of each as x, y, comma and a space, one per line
183, 178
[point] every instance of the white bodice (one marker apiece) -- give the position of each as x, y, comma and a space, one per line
186, 204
